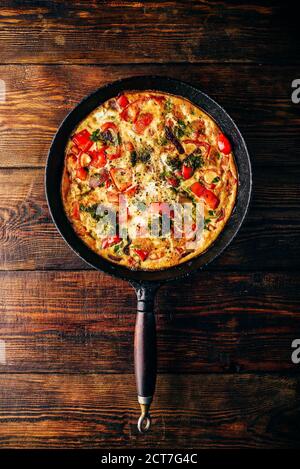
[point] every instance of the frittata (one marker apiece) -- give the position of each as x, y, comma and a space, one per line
151, 152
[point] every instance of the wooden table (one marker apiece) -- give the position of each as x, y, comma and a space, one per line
224, 337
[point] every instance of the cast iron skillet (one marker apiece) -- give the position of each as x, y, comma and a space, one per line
146, 283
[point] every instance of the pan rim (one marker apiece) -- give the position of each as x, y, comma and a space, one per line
181, 270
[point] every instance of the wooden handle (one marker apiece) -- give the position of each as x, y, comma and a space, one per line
145, 353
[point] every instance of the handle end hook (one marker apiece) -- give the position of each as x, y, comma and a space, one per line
144, 422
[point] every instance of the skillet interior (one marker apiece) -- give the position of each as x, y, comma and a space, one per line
55, 164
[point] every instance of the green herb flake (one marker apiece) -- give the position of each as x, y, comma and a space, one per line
168, 105
182, 128
194, 160
117, 247
92, 210
173, 163
206, 223
133, 158
144, 154
95, 137
178, 132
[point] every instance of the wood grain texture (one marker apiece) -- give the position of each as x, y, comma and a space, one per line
39, 97
91, 411
131, 31
268, 239
71, 322
224, 337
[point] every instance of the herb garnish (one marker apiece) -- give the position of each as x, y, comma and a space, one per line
144, 155
181, 129
133, 158
173, 163
92, 210
194, 160
105, 137
96, 135
117, 247
168, 105
206, 222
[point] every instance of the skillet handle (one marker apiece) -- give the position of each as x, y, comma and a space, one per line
145, 352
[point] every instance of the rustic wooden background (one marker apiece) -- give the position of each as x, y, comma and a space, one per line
226, 379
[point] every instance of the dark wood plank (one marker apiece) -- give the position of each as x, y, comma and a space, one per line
164, 31
268, 240
40, 97
84, 322
90, 411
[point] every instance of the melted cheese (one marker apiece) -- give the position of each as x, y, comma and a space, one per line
143, 165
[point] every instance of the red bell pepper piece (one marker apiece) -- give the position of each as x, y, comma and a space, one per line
187, 172
158, 99
98, 157
141, 253
224, 144
173, 181
82, 140
75, 211
125, 114
110, 241
122, 101
143, 121
200, 191
131, 111
109, 125
81, 173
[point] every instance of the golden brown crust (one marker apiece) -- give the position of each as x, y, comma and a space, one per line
142, 150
